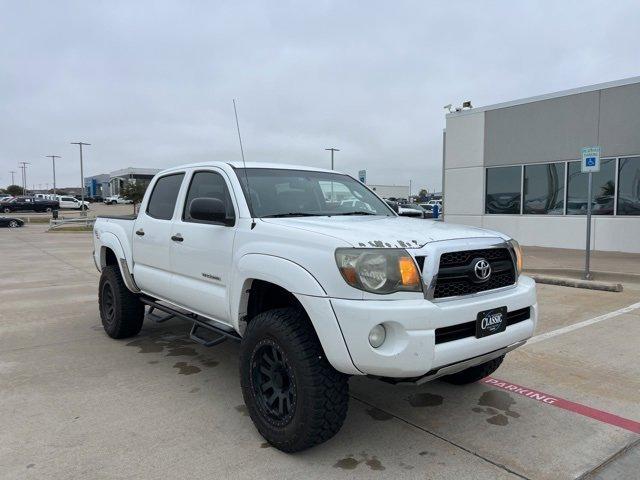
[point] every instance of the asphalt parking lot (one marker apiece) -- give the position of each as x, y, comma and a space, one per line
76, 404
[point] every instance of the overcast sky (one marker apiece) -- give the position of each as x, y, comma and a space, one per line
150, 84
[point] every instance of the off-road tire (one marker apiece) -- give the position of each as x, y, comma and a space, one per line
473, 374
121, 311
321, 393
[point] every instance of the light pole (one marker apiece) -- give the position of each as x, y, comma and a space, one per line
23, 166
53, 158
332, 150
83, 212
12, 172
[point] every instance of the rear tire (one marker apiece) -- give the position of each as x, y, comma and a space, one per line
295, 398
121, 311
13, 224
473, 374
6, 210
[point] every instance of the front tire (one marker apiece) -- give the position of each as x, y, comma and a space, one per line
474, 374
6, 210
121, 311
295, 398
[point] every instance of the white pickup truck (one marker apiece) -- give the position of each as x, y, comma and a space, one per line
313, 286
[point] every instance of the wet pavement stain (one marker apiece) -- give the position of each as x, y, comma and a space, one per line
265, 445
242, 409
153, 362
425, 452
97, 328
209, 362
374, 463
378, 414
347, 463
178, 351
498, 406
31, 465
186, 369
351, 463
425, 400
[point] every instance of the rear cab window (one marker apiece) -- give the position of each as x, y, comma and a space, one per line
162, 201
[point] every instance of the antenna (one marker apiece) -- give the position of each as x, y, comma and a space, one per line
244, 164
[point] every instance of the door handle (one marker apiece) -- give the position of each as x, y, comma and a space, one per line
177, 238
140, 233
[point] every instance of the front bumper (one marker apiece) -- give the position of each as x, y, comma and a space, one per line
410, 349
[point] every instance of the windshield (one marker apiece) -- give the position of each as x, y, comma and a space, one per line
299, 193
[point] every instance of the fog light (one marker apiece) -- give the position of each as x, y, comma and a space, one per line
377, 336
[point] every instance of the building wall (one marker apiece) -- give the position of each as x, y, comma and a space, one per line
391, 191
548, 130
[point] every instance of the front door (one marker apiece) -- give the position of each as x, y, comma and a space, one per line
201, 252
152, 238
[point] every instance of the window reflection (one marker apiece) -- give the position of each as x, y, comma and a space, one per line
503, 190
544, 189
629, 186
602, 197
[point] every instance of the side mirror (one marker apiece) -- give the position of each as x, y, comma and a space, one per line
208, 210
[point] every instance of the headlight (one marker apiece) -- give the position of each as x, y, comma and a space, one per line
379, 270
518, 251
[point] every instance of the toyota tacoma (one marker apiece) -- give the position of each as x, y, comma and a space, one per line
318, 279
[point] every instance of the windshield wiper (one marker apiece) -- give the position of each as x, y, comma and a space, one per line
360, 212
293, 214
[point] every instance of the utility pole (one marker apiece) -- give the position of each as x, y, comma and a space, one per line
12, 172
53, 157
23, 166
332, 150
83, 212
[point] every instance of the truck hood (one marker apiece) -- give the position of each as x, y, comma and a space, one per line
384, 232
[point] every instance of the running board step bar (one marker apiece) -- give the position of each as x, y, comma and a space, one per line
222, 332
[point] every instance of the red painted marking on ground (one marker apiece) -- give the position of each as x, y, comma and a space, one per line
578, 408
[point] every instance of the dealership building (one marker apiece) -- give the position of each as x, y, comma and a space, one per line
515, 167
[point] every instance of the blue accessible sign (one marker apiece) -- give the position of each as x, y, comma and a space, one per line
590, 159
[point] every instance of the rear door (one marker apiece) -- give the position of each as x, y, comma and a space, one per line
201, 251
152, 237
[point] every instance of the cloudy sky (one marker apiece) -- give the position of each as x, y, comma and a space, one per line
150, 83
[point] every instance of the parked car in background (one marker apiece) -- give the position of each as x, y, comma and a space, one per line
6, 198
112, 200
411, 210
95, 198
9, 222
72, 203
34, 204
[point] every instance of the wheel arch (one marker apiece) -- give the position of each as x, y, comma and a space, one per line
111, 252
288, 280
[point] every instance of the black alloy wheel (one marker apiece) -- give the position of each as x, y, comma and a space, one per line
108, 304
273, 382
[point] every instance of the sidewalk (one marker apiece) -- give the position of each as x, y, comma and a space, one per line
560, 258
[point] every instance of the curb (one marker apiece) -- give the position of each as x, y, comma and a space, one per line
601, 275
575, 283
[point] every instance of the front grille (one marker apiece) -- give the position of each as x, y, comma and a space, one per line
468, 329
456, 276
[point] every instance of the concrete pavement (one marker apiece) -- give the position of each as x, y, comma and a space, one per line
77, 404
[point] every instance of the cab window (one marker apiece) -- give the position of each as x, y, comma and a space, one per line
207, 184
163, 197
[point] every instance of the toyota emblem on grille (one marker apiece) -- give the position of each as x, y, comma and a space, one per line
482, 269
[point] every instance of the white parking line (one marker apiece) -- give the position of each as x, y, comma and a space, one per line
585, 323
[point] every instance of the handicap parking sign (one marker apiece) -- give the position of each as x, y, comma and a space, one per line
590, 159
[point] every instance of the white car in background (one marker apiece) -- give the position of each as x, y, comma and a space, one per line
410, 210
68, 202
114, 199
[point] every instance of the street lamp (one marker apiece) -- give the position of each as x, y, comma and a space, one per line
332, 150
23, 167
13, 181
53, 157
83, 212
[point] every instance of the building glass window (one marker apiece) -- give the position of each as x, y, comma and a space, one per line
603, 193
544, 189
503, 190
629, 186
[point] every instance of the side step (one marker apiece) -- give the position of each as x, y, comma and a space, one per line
221, 332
